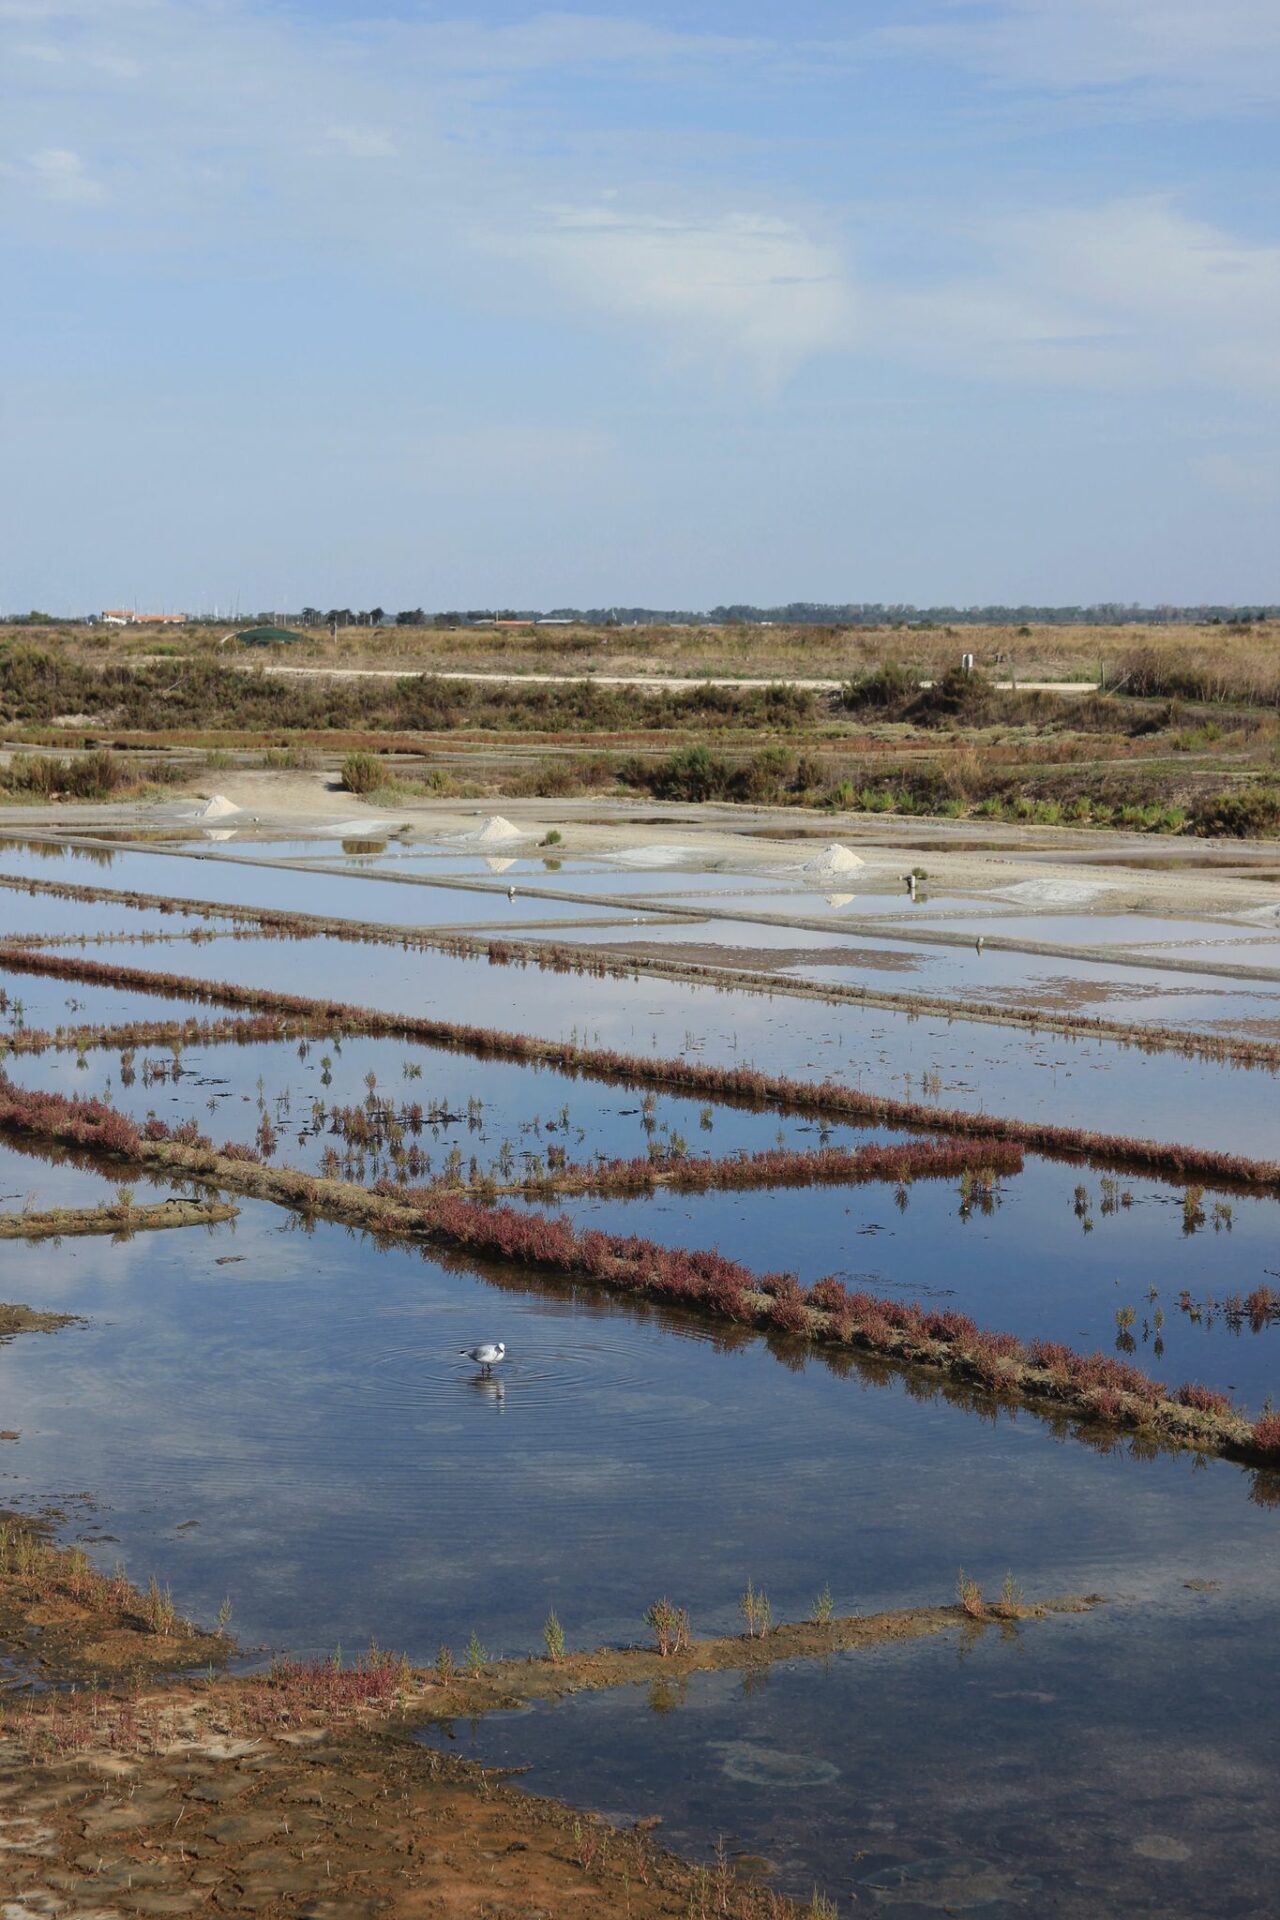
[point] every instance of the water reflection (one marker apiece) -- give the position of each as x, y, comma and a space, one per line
1113, 1763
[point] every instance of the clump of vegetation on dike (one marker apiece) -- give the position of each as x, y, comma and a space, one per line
1093, 1386
119, 1217
1168, 1158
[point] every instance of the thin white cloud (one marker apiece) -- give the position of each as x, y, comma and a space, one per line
214, 163
56, 173
748, 285
1133, 293
1211, 51
571, 41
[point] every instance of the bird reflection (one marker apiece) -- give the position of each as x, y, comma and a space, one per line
490, 1389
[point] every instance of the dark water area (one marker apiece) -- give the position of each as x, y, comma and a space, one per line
1119, 1763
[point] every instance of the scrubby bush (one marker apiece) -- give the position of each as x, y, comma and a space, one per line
363, 773
1241, 813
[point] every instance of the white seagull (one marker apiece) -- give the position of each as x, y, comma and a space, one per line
511, 893
486, 1357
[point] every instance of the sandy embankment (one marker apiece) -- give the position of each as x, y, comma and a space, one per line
1028, 867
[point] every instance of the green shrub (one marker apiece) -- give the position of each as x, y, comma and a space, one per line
363, 773
889, 686
1243, 813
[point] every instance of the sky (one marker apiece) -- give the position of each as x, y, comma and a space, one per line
938, 301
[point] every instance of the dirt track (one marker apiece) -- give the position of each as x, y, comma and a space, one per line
653, 682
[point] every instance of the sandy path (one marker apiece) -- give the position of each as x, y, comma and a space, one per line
654, 682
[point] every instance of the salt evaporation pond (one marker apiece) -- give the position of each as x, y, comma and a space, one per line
277, 1412
292, 890
1031, 1266
1061, 1252
1112, 1763
298, 1396
982, 1067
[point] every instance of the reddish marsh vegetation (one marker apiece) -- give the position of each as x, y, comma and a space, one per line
725, 1083
1094, 1384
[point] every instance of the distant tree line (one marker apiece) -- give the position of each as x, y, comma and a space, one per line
797, 613
815, 613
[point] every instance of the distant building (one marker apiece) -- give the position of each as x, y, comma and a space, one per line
125, 617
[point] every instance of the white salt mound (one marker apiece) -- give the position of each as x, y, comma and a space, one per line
495, 830
833, 859
217, 808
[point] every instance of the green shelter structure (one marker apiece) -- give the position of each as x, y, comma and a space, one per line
268, 637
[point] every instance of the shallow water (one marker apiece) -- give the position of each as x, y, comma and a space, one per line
349, 1475
477, 1103
280, 1415
40, 1001
1112, 987
289, 890
34, 1182
365, 895
92, 921
1051, 1770
1057, 1257
1031, 1266
978, 1066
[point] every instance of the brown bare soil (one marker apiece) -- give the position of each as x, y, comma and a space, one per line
61, 1620
304, 1792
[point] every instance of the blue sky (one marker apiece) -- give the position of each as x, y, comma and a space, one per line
445, 305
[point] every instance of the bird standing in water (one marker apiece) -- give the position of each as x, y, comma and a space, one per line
486, 1357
